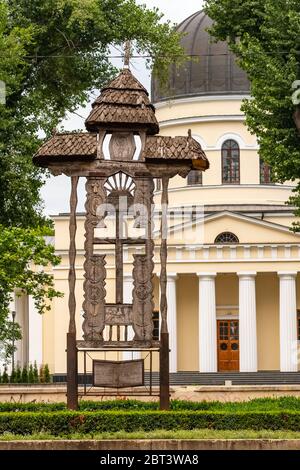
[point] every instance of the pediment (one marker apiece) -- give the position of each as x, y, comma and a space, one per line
247, 229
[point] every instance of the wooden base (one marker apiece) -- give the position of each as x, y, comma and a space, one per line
72, 372
164, 382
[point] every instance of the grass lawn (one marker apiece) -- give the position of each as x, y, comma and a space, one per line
161, 434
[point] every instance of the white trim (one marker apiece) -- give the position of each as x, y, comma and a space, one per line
197, 119
227, 307
287, 274
199, 99
222, 139
225, 186
205, 275
233, 215
227, 317
246, 218
237, 138
231, 261
200, 141
246, 274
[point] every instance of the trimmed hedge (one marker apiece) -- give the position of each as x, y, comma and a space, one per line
64, 423
259, 404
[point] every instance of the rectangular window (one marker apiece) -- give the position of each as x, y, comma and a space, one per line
265, 173
194, 177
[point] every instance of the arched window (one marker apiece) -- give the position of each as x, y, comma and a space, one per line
194, 177
226, 237
265, 173
230, 162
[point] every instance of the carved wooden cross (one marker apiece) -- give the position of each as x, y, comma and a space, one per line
127, 54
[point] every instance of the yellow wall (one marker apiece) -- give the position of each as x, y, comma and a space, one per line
187, 323
227, 291
222, 194
267, 304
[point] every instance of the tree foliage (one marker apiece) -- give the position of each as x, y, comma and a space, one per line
265, 35
53, 54
24, 254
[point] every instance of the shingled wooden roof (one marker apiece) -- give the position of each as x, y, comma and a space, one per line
174, 148
123, 102
123, 105
83, 146
68, 145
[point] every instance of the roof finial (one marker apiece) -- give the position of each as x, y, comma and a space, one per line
127, 54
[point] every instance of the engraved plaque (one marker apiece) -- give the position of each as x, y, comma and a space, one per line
118, 374
118, 314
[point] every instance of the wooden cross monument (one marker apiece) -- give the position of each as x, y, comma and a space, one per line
120, 155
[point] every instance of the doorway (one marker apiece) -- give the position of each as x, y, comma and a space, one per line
228, 345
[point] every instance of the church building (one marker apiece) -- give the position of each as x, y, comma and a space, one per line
233, 283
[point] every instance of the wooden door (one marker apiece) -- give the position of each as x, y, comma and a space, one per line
228, 345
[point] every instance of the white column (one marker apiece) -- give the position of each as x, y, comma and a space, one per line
22, 318
207, 323
35, 333
247, 322
288, 322
127, 299
172, 319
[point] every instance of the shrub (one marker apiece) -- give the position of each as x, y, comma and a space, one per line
5, 378
13, 376
30, 375
35, 373
18, 377
47, 374
42, 374
24, 376
69, 422
261, 404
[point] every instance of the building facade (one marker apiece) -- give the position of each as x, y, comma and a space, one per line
233, 281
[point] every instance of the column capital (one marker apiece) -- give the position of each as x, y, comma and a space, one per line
207, 275
287, 274
172, 276
246, 274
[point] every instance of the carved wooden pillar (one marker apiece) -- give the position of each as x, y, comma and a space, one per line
72, 369
143, 265
94, 265
164, 367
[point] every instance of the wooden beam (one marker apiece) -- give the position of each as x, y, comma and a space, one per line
164, 334
72, 385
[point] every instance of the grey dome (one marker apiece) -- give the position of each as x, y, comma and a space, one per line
214, 73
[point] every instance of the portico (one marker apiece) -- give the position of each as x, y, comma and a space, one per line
229, 324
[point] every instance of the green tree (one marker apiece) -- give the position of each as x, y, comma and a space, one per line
53, 55
18, 376
13, 376
21, 250
265, 36
35, 373
47, 374
24, 376
30, 375
5, 378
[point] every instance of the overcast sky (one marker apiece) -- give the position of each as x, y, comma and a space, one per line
55, 193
